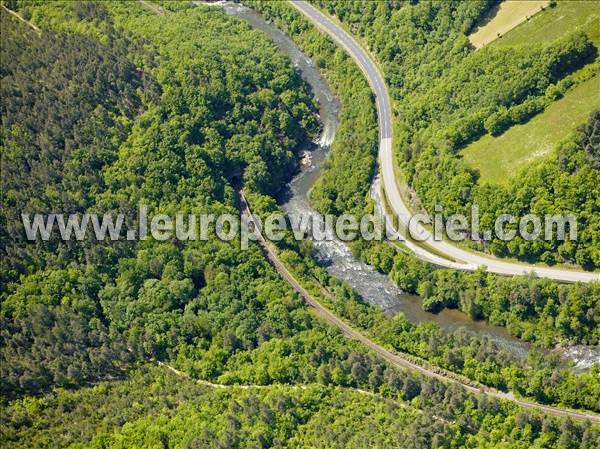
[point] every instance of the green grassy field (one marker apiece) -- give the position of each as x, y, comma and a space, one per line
553, 23
509, 15
499, 158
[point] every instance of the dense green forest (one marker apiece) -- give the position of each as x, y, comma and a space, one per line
108, 303
446, 95
139, 108
541, 375
533, 309
66, 109
170, 411
473, 359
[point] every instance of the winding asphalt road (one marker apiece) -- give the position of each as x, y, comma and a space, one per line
451, 256
397, 359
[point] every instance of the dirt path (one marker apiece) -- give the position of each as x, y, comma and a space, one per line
18, 16
399, 360
155, 9
288, 386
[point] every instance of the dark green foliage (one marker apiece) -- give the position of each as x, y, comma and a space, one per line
218, 101
348, 170
175, 411
442, 288
221, 102
526, 306
67, 103
533, 309
56, 347
567, 183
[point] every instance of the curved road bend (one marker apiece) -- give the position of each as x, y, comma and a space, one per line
470, 261
395, 359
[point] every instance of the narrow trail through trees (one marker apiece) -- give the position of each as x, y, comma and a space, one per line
18, 16
398, 360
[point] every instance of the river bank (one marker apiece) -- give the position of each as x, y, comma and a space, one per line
374, 287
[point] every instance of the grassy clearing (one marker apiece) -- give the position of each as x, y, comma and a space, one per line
553, 23
499, 158
508, 15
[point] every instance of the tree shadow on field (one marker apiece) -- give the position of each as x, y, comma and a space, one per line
487, 17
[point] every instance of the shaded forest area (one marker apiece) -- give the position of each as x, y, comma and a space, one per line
78, 330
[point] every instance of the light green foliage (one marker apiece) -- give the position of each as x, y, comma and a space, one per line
348, 170
155, 408
554, 22
446, 95
194, 98
530, 308
500, 158
195, 111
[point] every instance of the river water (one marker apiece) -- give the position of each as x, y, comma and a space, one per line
374, 287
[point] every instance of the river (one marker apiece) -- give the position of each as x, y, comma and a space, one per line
374, 287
